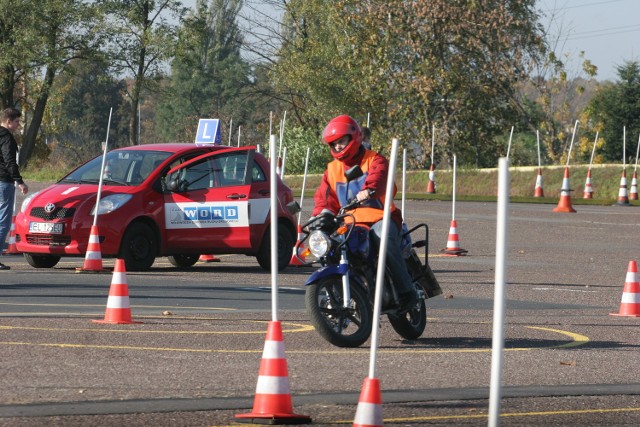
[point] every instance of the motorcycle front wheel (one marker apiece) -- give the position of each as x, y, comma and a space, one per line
342, 326
411, 324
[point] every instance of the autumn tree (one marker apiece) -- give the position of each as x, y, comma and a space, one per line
141, 38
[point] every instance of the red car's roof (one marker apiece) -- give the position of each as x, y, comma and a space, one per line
172, 147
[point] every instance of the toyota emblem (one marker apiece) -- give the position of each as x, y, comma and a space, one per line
49, 207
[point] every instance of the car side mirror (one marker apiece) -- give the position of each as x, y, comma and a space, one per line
173, 185
293, 207
353, 172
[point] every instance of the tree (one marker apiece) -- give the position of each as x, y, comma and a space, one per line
38, 40
616, 107
207, 72
141, 38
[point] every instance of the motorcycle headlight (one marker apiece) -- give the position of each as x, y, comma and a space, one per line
111, 203
318, 243
26, 201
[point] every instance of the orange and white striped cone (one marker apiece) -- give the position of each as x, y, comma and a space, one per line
12, 248
453, 242
369, 411
633, 193
295, 261
630, 304
564, 204
118, 310
431, 187
623, 195
272, 402
588, 188
208, 258
93, 257
538, 191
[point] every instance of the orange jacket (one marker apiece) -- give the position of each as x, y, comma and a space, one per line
333, 192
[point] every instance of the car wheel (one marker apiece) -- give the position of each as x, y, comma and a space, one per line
138, 247
42, 261
183, 261
285, 249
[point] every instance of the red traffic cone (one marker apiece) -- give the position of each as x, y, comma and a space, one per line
538, 191
12, 248
272, 403
431, 187
633, 194
564, 204
93, 258
453, 243
623, 197
369, 411
208, 258
295, 261
118, 309
588, 189
630, 304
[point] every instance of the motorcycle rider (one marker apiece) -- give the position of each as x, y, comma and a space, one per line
343, 135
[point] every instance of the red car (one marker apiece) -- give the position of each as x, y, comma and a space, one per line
174, 200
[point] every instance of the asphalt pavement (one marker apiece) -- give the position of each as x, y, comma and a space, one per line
194, 360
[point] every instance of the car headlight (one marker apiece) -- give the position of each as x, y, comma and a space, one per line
111, 203
26, 201
318, 243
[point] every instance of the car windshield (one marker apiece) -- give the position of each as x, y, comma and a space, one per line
122, 167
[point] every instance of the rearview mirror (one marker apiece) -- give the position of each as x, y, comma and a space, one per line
353, 172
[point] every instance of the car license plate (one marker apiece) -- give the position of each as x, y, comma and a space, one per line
46, 227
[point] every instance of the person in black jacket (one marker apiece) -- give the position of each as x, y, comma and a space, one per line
9, 171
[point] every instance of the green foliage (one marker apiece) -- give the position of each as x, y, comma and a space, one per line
298, 140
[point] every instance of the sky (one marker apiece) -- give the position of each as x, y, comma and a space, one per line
607, 31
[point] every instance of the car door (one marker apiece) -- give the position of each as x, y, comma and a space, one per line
207, 203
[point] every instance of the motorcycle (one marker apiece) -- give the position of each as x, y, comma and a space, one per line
339, 296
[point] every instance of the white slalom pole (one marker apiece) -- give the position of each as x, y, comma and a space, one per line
509, 146
538, 139
270, 122
284, 161
499, 306
304, 182
238, 136
230, 131
573, 135
368, 117
593, 151
273, 187
433, 140
382, 258
101, 179
453, 199
635, 168
624, 147
404, 179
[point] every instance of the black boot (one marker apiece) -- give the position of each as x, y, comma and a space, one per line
408, 300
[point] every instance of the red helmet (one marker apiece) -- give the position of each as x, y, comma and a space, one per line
339, 127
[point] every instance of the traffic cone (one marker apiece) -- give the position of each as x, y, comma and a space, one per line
208, 258
588, 189
272, 402
431, 187
12, 248
564, 204
539, 191
369, 411
93, 258
623, 197
633, 194
295, 261
630, 304
453, 243
118, 310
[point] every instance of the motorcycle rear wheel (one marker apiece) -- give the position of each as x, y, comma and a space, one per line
341, 326
411, 324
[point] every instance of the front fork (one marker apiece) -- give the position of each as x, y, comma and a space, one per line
346, 288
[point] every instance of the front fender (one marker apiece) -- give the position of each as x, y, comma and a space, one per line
329, 270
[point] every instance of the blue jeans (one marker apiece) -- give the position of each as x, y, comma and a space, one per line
395, 260
7, 195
